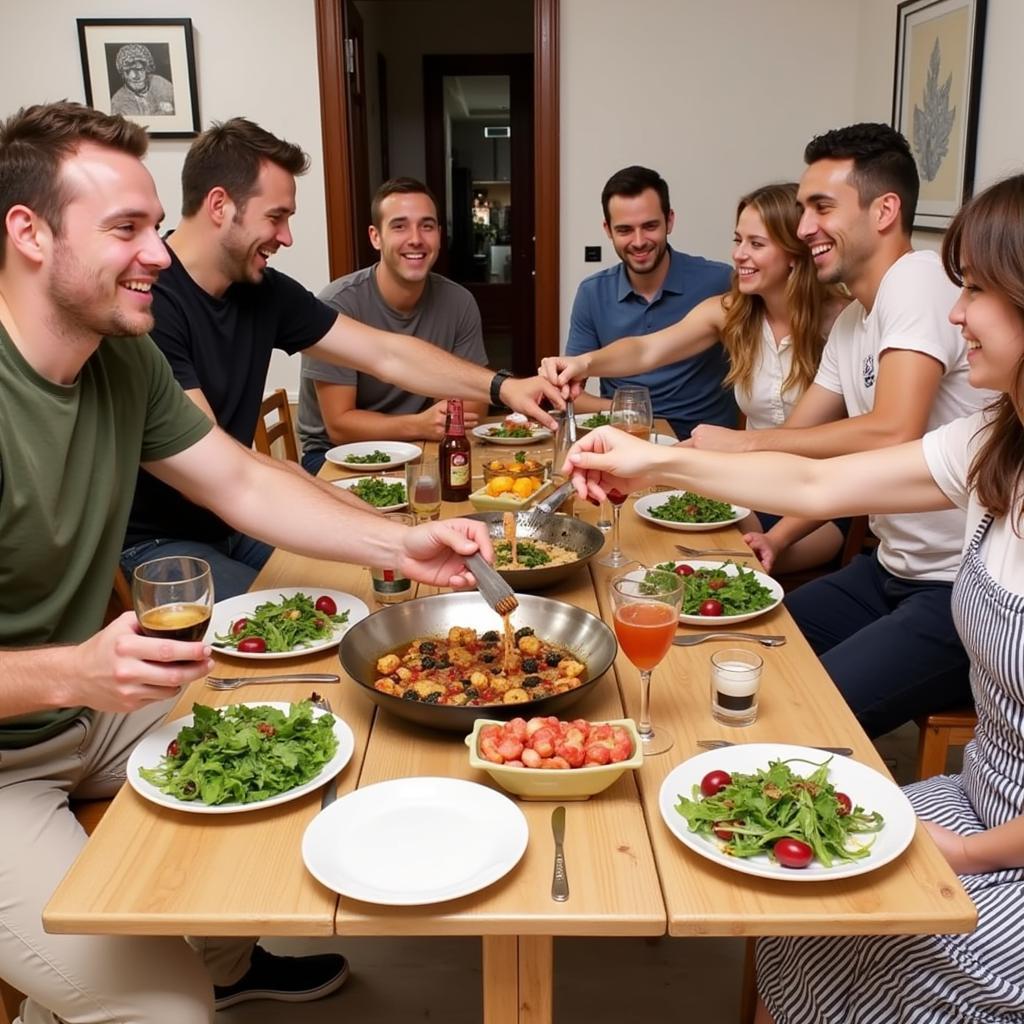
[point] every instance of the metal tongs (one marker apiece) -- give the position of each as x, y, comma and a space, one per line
494, 590
546, 506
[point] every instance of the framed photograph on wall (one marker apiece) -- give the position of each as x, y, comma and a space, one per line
144, 69
935, 99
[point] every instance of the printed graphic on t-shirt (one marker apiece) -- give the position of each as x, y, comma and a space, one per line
869, 371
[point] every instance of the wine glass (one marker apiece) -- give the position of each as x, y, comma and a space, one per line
632, 412
645, 603
173, 597
423, 486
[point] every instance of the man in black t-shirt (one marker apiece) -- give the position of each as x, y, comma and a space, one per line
220, 313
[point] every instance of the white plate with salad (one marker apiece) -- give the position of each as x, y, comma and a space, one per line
591, 421
420, 840
268, 616
502, 433
868, 792
379, 491
684, 510
370, 456
723, 593
307, 748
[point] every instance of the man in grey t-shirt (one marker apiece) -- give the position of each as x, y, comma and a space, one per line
398, 294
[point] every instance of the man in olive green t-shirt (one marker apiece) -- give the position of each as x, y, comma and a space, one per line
86, 397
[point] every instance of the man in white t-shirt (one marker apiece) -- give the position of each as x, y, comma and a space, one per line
893, 368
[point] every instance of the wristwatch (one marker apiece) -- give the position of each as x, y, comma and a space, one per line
496, 381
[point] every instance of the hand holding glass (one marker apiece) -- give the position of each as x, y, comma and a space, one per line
645, 605
631, 411
173, 597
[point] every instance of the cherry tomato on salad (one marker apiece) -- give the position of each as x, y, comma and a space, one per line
716, 584
845, 805
239, 625
252, 645
710, 607
683, 569
173, 750
326, 605
713, 782
792, 853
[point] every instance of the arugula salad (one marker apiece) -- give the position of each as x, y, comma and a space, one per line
279, 626
375, 456
692, 508
599, 419
775, 811
242, 754
528, 554
380, 493
736, 594
513, 430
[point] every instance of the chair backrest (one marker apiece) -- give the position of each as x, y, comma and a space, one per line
279, 429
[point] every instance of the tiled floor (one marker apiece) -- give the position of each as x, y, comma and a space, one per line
395, 981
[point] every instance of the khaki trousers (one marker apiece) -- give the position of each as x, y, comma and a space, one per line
89, 978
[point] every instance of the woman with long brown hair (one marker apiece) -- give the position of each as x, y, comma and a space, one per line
976, 818
772, 323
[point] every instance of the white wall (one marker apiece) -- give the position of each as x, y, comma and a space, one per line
718, 97
253, 57
723, 96
1000, 148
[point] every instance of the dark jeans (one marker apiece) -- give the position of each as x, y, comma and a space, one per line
312, 461
234, 562
889, 644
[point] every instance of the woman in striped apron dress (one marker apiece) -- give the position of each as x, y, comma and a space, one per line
976, 818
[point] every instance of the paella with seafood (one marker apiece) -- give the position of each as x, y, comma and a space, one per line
467, 668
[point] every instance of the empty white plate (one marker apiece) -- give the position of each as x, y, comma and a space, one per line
408, 842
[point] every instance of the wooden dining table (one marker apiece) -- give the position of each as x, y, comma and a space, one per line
150, 870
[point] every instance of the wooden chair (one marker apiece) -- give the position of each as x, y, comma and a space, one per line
88, 813
120, 601
937, 733
280, 429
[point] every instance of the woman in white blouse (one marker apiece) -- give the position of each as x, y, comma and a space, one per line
975, 818
772, 323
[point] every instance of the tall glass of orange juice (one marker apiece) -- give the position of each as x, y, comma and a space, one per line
645, 604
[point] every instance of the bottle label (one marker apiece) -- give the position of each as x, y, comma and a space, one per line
459, 469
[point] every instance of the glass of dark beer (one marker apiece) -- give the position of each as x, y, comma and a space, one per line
173, 597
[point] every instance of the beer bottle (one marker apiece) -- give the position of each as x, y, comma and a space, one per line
454, 455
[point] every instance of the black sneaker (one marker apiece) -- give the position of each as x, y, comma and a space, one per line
288, 979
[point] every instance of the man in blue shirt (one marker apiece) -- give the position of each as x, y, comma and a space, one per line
654, 286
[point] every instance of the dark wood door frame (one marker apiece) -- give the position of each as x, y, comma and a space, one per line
339, 186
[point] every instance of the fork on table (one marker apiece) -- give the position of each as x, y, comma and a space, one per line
330, 793
697, 552
234, 682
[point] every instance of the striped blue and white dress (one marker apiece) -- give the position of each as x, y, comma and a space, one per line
976, 978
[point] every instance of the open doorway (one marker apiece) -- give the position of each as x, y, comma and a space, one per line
479, 159
368, 93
